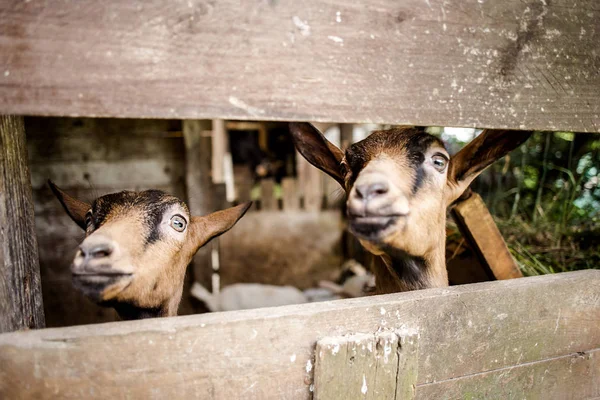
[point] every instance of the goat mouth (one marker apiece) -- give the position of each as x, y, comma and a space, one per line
93, 284
372, 227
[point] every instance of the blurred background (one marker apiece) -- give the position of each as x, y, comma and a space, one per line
544, 196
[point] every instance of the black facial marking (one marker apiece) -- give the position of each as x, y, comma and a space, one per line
155, 206
151, 203
357, 157
409, 269
419, 178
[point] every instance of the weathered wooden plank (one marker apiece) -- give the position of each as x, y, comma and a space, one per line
570, 377
265, 353
478, 227
100, 139
199, 199
408, 363
141, 173
220, 146
268, 201
20, 286
508, 64
244, 181
346, 138
310, 183
291, 197
367, 366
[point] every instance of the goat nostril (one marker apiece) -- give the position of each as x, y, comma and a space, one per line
378, 189
99, 251
369, 191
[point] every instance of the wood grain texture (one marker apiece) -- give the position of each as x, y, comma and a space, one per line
220, 146
198, 182
375, 366
510, 64
290, 195
570, 377
465, 332
310, 184
268, 202
21, 304
478, 227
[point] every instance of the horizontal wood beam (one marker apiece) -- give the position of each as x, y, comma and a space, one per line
499, 64
464, 333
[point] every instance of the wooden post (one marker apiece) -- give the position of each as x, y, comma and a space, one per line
367, 366
199, 191
310, 182
291, 199
20, 284
220, 146
267, 196
478, 227
346, 137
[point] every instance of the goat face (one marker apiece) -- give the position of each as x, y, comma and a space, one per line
394, 180
399, 182
138, 245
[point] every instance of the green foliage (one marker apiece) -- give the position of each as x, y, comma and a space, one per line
546, 200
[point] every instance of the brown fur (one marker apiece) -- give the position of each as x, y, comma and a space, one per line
397, 194
143, 272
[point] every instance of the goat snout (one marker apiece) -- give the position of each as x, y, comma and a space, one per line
93, 254
371, 190
376, 199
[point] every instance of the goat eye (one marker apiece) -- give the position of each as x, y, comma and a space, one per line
439, 162
88, 219
178, 223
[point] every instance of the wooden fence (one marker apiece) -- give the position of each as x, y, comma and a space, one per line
521, 338
512, 64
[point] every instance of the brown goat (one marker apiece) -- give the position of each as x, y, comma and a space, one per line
399, 183
137, 248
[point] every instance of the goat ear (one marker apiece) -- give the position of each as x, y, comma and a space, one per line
76, 209
203, 229
317, 149
476, 156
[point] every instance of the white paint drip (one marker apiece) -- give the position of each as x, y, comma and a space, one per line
309, 366
336, 39
6, 73
293, 357
387, 350
301, 25
335, 349
234, 101
338, 17
382, 311
363, 389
